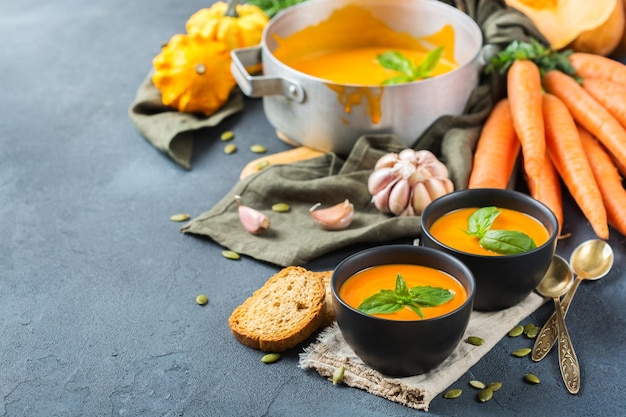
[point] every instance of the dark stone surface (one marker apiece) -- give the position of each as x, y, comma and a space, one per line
97, 286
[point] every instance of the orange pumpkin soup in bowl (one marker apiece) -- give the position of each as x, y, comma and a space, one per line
402, 309
403, 292
505, 237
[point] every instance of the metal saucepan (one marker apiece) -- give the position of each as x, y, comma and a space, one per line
309, 111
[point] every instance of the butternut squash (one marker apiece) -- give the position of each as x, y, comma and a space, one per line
586, 26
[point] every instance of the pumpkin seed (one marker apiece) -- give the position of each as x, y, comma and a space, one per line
477, 384
281, 207
230, 148
338, 375
485, 395
453, 393
516, 331
532, 378
262, 165
532, 332
229, 254
228, 135
270, 358
475, 340
202, 299
521, 352
494, 386
258, 149
181, 217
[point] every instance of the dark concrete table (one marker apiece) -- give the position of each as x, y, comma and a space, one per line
97, 285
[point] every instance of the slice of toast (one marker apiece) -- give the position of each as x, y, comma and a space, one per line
285, 311
329, 312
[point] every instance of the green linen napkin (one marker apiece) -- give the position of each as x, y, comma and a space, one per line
170, 131
293, 237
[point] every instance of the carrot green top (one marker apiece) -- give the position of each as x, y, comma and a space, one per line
545, 57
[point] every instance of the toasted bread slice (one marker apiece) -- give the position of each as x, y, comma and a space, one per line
285, 311
329, 312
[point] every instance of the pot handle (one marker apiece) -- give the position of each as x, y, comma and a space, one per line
259, 86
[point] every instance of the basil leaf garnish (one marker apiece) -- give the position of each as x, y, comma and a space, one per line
389, 301
504, 242
507, 241
396, 61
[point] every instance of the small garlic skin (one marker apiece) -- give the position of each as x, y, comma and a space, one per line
404, 183
252, 220
337, 217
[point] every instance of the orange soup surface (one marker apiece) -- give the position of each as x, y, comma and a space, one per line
450, 229
344, 47
370, 281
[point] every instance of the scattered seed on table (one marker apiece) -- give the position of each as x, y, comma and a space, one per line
228, 135
521, 352
270, 358
258, 149
453, 393
475, 340
516, 331
281, 207
230, 148
262, 165
181, 217
494, 386
229, 254
532, 378
338, 375
202, 299
477, 384
532, 332
485, 395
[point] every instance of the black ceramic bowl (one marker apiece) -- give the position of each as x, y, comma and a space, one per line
501, 281
402, 348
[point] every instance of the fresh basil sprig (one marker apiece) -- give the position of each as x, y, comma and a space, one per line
389, 301
271, 7
505, 242
396, 61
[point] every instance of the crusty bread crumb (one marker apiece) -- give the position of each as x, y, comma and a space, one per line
285, 311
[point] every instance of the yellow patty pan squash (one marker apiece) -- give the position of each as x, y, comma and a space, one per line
235, 32
593, 26
193, 74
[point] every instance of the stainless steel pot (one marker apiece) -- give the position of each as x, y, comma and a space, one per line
308, 110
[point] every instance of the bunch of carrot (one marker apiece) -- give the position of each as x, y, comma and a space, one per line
570, 129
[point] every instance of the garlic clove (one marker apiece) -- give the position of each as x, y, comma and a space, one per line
421, 198
399, 197
380, 178
387, 160
252, 220
409, 155
436, 188
336, 217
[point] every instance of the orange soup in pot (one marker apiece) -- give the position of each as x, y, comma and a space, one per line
451, 229
344, 48
370, 281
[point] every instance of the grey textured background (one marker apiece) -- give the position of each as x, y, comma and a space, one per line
97, 286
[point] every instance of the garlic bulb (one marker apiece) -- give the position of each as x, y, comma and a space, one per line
404, 183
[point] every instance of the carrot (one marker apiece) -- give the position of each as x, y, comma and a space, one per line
608, 179
588, 112
524, 92
497, 150
596, 66
567, 154
611, 95
550, 192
